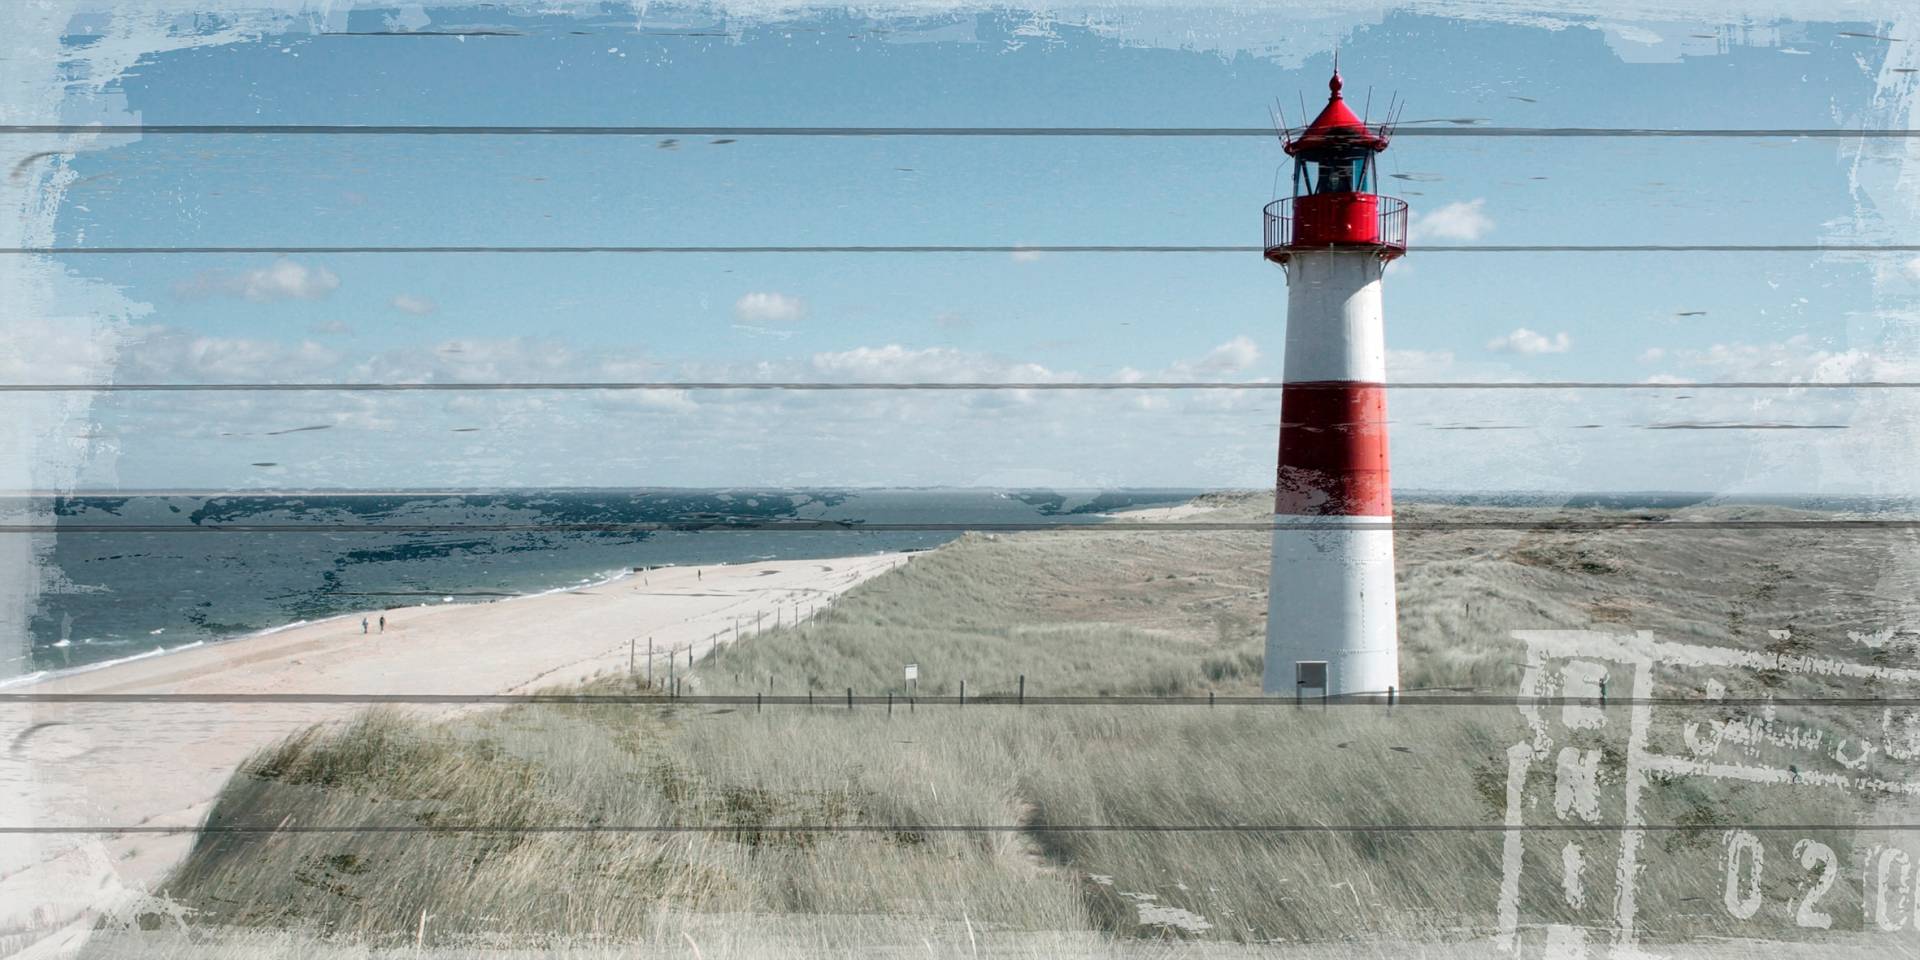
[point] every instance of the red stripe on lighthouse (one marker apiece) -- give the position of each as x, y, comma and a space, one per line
1333, 450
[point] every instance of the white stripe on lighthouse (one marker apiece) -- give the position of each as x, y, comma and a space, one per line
1334, 328
1331, 599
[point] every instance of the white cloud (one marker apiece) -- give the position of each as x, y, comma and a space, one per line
757, 308
753, 330
1528, 342
288, 280
930, 364
661, 401
162, 355
1912, 268
1420, 365
284, 279
1653, 355
1461, 220
418, 306
1234, 356
1027, 256
1795, 358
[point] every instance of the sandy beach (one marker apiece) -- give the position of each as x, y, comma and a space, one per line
1183, 511
69, 767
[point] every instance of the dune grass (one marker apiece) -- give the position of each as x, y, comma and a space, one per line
683, 819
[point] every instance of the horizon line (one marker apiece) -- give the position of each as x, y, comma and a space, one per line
1414, 492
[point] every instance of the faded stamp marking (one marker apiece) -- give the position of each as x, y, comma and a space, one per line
1569, 746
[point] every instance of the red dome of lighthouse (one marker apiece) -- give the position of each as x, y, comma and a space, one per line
1336, 131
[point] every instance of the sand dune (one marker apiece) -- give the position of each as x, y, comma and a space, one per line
75, 765
1087, 612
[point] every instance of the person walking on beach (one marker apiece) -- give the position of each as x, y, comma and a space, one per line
363, 624
383, 623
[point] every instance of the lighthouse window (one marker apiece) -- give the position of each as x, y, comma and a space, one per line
1335, 177
1344, 176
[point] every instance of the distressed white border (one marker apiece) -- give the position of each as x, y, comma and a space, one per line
55, 321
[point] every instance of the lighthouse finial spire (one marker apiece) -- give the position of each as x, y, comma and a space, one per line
1335, 84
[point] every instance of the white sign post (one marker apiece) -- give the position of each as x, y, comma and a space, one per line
913, 678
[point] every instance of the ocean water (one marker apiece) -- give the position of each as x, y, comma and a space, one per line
176, 579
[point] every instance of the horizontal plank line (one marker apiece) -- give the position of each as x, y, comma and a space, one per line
943, 248
1451, 128
914, 828
825, 699
423, 593
1179, 494
954, 385
857, 526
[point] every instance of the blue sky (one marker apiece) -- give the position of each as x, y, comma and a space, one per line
1552, 316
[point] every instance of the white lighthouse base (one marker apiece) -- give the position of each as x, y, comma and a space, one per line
1330, 601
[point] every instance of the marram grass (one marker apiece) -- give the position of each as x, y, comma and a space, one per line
809, 843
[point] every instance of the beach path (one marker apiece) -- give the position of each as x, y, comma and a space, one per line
73, 770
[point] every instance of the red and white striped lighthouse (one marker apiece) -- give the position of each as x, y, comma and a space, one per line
1330, 608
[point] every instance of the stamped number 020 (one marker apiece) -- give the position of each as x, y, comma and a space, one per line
1889, 882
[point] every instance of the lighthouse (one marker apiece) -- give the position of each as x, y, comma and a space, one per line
1330, 609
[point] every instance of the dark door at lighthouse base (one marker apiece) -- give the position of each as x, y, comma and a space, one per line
1309, 675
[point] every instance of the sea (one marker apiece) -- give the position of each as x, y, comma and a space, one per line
132, 576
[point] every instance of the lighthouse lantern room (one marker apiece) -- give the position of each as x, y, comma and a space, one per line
1331, 627
1333, 202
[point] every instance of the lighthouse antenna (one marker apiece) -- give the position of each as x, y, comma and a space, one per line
1280, 128
1367, 109
1392, 119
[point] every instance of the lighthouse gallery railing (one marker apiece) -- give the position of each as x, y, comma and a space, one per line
1336, 226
